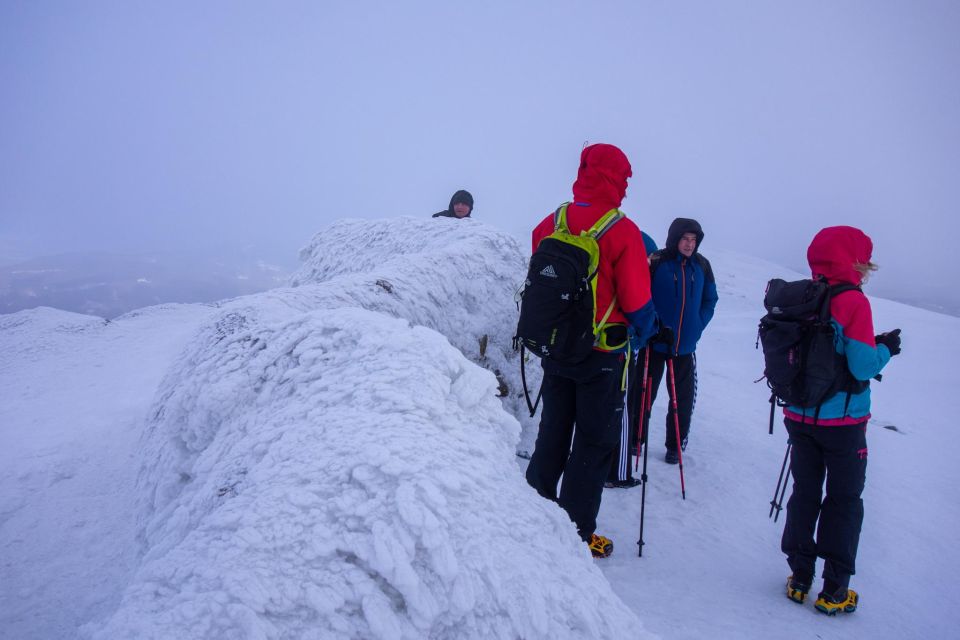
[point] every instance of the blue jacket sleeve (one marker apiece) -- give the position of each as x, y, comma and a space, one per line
649, 244
643, 321
853, 320
709, 303
863, 360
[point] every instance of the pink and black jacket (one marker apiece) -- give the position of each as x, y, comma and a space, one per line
833, 254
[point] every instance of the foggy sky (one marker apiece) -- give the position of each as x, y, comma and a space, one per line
149, 126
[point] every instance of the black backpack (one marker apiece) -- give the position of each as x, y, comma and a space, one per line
558, 318
559, 298
801, 363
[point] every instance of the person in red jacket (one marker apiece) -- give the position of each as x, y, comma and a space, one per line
583, 403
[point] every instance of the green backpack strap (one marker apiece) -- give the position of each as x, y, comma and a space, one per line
560, 218
605, 222
599, 228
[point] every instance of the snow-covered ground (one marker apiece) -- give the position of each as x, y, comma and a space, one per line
328, 460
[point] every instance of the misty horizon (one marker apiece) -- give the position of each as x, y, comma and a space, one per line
183, 127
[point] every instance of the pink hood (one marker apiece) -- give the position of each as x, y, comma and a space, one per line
834, 251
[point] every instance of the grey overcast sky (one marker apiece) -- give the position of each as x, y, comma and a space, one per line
134, 125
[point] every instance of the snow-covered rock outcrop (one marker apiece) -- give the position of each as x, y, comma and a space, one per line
322, 463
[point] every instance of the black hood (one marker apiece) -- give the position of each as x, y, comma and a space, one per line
461, 196
679, 227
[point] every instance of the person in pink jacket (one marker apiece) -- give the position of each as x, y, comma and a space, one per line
830, 441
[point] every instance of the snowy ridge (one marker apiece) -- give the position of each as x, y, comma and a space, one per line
17, 328
313, 469
458, 277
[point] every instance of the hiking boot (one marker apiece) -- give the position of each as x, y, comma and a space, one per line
622, 484
844, 600
671, 457
600, 546
797, 589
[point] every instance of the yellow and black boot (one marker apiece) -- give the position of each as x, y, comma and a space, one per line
797, 589
600, 546
841, 601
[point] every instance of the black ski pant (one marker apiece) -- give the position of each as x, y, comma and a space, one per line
840, 454
579, 427
685, 376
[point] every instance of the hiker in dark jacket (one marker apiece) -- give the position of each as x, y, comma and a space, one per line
461, 206
583, 403
685, 295
831, 440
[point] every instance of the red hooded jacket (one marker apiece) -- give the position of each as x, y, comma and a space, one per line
601, 185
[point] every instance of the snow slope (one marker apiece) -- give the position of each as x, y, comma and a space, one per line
75, 395
326, 460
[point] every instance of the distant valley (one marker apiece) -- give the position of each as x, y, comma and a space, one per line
109, 285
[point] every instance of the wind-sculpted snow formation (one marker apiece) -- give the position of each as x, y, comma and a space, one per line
322, 463
456, 276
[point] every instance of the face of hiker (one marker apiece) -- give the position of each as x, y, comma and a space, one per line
461, 209
687, 244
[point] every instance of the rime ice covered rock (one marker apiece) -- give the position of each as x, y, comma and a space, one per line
322, 463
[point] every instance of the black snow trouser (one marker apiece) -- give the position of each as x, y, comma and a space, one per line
587, 396
685, 376
840, 454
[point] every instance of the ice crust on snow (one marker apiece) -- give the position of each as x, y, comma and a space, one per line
323, 461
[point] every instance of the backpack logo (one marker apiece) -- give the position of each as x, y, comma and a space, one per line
548, 271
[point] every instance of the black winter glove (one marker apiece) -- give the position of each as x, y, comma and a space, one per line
663, 336
891, 340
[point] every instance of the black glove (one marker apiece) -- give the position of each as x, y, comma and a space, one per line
663, 336
891, 340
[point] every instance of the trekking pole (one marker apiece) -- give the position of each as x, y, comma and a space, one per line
642, 442
783, 491
773, 502
643, 404
676, 424
640, 434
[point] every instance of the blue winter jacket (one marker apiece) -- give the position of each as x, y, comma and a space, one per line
684, 290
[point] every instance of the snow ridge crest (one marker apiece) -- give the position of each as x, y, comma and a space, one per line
323, 463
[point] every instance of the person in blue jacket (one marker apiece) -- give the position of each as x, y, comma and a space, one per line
684, 294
